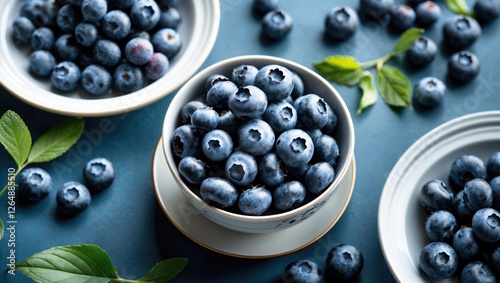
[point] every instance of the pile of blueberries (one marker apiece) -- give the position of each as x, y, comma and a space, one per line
73, 197
464, 221
255, 142
99, 44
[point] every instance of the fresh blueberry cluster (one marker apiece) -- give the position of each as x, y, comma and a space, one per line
72, 197
99, 44
343, 262
248, 146
463, 225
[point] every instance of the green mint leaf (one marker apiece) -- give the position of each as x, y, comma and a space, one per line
56, 141
2, 229
406, 40
343, 70
394, 86
15, 136
164, 271
76, 263
458, 7
369, 93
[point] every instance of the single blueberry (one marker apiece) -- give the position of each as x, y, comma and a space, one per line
438, 260
94, 10
107, 52
170, 17
294, 147
312, 111
403, 17
493, 165
422, 52
217, 145
96, 79
465, 243
276, 81
98, 174
22, 29
40, 12
66, 48
189, 108
65, 76
277, 24
128, 78
495, 188
186, 141
244, 75
256, 137
116, 25
205, 119
229, 123
486, 11
68, 17
34, 183
218, 95
86, 34
139, 51
218, 192
254, 201
213, 80
281, 116
486, 225
326, 149
248, 102
341, 22
42, 39
167, 41
73, 198
435, 195
463, 66
192, 169
298, 86
41, 63
157, 66
477, 272
428, 13
375, 10
460, 32
344, 262
462, 213
319, 177
265, 6
465, 168
477, 194
289, 195
302, 271
241, 168
271, 171
440, 226
145, 14
429, 92
332, 121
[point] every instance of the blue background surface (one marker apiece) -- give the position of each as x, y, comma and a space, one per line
126, 220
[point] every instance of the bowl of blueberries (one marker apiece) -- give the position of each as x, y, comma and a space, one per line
98, 57
258, 143
438, 216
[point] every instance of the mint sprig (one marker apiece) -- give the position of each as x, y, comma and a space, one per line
89, 263
393, 85
459, 7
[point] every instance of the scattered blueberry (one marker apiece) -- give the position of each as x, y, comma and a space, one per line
438, 260
422, 52
277, 24
98, 174
429, 92
302, 271
73, 198
34, 183
403, 17
254, 201
486, 11
463, 66
341, 22
265, 6
460, 32
344, 262
375, 10
428, 13
219, 192
41, 63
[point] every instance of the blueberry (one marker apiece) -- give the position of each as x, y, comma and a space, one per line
65, 76
68, 17
98, 174
319, 177
312, 111
495, 188
461, 211
375, 10
256, 137
265, 6
494, 260
302, 271
122, 4
421, 52
440, 226
167, 41
332, 121
192, 169
138, 51
42, 39
186, 141
218, 192
463, 66
341, 22
218, 95
435, 195
145, 14
169, 18
403, 17
86, 34
428, 13
465, 168
40, 12
477, 272
217, 145
429, 92
107, 52
486, 11
277, 24
94, 10
67, 48
344, 261
438, 260
127, 78
22, 29
276, 81
493, 165
41, 63
465, 243
205, 119
254, 201
271, 172
297, 173
87, 58
326, 149
244, 75
157, 66
281, 116
298, 86
34, 183
213, 80
486, 225
73, 198
477, 194
241, 168
248, 102
189, 108
229, 123
289, 195
116, 25
460, 32
96, 79
294, 147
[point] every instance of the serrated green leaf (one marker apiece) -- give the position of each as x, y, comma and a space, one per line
76, 263
56, 141
15, 136
394, 86
406, 40
164, 271
458, 7
369, 93
2, 229
343, 70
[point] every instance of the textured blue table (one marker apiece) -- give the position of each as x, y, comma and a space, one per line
129, 224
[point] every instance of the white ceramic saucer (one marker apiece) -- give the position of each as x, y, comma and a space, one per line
219, 239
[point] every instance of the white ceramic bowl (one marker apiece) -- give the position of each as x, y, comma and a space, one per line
401, 217
199, 29
344, 135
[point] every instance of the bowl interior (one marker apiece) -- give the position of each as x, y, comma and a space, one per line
344, 133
